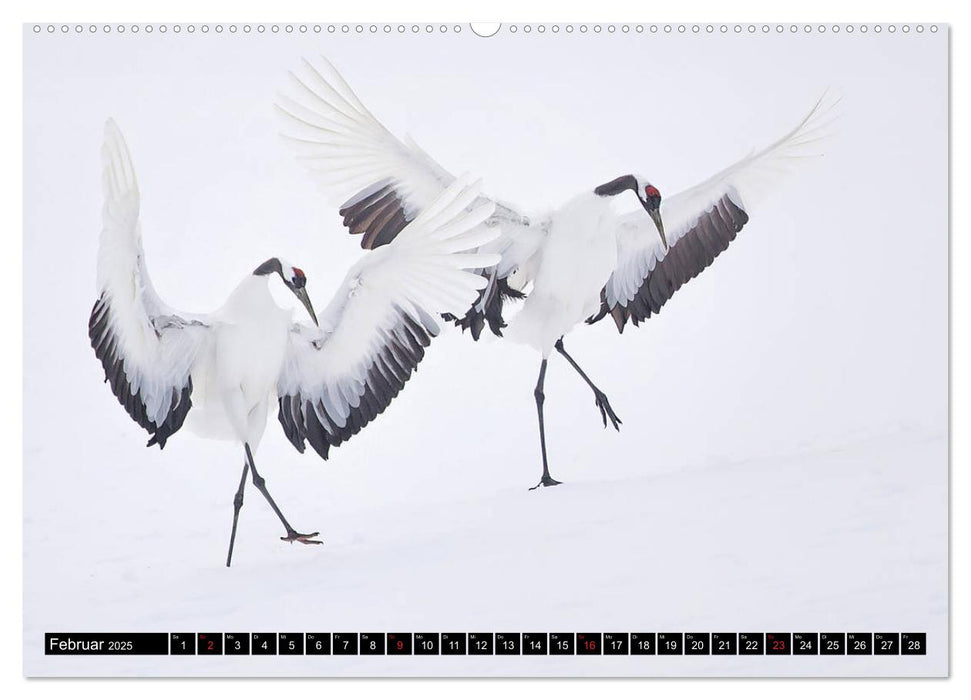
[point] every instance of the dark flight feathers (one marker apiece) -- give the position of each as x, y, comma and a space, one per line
705, 240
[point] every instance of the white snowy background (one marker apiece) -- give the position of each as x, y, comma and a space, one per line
783, 460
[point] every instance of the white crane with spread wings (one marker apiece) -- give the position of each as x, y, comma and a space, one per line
583, 262
220, 372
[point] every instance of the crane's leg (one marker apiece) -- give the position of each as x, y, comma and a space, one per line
546, 480
601, 398
260, 484
237, 505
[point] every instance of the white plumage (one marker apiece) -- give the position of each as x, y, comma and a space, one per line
563, 292
584, 261
230, 365
158, 345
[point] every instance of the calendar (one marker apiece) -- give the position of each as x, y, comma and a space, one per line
424, 349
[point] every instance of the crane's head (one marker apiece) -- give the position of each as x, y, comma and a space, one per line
293, 278
647, 194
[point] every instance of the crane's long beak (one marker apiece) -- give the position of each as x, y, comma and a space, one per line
304, 298
656, 215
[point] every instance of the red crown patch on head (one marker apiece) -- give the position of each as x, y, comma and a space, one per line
298, 272
651, 191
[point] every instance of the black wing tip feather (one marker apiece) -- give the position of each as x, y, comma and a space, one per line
303, 422
105, 344
174, 420
710, 236
378, 214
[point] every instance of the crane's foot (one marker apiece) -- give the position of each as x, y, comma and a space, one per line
295, 536
547, 480
606, 411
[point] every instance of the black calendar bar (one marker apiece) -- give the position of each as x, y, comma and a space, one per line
516, 644
121, 644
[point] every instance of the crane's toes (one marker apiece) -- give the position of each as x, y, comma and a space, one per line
302, 538
606, 411
546, 481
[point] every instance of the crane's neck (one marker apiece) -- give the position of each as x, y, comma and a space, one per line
609, 192
252, 301
617, 186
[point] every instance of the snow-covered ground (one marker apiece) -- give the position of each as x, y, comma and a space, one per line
818, 540
783, 460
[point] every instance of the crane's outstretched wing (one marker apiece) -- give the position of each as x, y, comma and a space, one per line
339, 377
700, 224
382, 182
146, 349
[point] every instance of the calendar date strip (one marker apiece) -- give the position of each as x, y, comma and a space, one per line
487, 644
